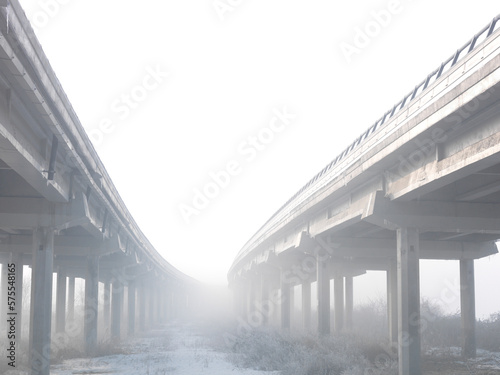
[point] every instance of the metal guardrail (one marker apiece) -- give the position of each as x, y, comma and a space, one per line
444, 67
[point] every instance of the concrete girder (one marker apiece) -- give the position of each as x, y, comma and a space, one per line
66, 245
452, 165
434, 216
28, 213
386, 248
355, 255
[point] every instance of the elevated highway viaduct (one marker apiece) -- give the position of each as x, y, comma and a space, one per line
423, 182
60, 213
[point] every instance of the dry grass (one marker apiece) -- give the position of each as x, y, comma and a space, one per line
366, 350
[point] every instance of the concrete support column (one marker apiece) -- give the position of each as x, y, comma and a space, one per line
245, 292
3, 294
349, 301
106, 308
71, 299
306, 305
151, 306
159, 295
392, 302
41, 301
142, 307
285, 303
338, 292
163, 305
91, 304
264, 299
61, 301
252, 297
131, 307
275, 316
323, 278
116, 309
16, 261
408, 301
468, 308
236, 295
159, 305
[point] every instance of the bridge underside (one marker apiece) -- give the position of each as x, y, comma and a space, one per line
61, 214
425, 185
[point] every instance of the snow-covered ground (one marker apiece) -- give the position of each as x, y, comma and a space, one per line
487, 362
171, 350
191, 350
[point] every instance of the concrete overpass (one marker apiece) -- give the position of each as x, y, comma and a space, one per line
60, 213
423, 182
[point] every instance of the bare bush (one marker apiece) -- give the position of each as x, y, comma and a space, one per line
270, 350
488, 333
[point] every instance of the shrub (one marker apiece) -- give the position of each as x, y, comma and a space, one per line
270, 350
488, 333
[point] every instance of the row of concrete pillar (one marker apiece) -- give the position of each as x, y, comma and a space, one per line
403, 301
267, 302
153, 300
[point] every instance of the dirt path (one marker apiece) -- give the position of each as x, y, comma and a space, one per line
178, 350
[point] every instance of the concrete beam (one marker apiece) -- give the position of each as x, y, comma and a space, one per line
408, 302
66, 247
24, 212
375, 248
434, 216
469, 154
468, 308
41, 301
